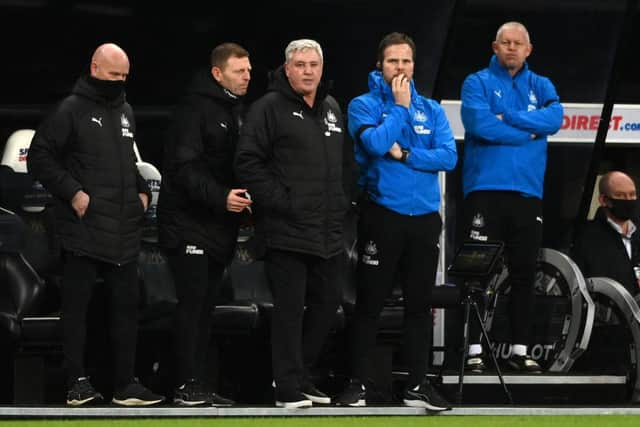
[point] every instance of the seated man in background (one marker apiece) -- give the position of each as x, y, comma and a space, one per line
609, 245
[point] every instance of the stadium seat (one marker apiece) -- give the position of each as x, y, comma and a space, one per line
233, 316
617, 314
28, 199
21, 286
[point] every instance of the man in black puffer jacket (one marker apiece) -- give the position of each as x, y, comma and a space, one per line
199, 209
290, 158
83, 154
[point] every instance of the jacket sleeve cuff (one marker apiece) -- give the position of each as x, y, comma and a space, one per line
222, 201
143, 187
70, 190
507, 117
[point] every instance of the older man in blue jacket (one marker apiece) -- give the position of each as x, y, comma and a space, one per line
508, 111
402, 141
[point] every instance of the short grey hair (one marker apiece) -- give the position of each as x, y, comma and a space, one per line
513, 24
301, 44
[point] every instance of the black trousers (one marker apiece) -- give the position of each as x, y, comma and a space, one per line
517, 221
393, 249
297, 336
78, 283
197, 278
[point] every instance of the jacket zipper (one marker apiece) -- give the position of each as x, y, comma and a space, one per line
325, 142
122, 192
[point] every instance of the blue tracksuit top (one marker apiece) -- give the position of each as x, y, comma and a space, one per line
375, 123
501, 154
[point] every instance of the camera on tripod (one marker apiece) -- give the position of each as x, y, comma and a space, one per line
476, 263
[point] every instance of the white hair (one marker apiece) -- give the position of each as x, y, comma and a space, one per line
516, 25
302, 44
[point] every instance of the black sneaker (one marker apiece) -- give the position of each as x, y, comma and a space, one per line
353, 395
82, 392
292, 399
217, 400
194, 393
474, 364
425, 396
524, 364
135, 394
314, 395
191, 393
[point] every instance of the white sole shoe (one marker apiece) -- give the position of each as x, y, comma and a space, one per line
417, 403
135, 402
305, 403
318, 399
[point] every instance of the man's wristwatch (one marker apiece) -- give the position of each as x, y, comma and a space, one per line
405, 155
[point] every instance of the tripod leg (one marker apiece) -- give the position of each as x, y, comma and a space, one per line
443, 367
465, 349
489, 344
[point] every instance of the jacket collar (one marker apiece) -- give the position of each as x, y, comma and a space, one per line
204, 84
499, 70
86, 88
601, 216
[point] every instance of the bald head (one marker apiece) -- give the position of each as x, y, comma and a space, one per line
617, 185
618, 198
109, 62
513, 25
512, 46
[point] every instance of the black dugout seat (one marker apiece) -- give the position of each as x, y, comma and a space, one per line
28, 199
248, 277
231, 316
21, 287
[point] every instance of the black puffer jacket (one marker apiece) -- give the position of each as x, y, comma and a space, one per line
87, 144
600, 252
290, 158
198, 170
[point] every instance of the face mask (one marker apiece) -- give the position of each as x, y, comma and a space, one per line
623, 209
110, 89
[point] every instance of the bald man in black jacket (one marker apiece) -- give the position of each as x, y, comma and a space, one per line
83, 154
609, 245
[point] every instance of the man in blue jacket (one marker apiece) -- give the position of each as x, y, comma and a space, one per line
402, 141
508, 111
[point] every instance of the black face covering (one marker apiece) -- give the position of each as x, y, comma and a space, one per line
623, 209
109, 89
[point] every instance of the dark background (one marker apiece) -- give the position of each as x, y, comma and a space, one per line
46, 45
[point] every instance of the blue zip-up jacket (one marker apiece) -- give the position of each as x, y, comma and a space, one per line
504, 154
376, 122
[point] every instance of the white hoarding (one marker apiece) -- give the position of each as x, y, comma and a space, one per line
579, 123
